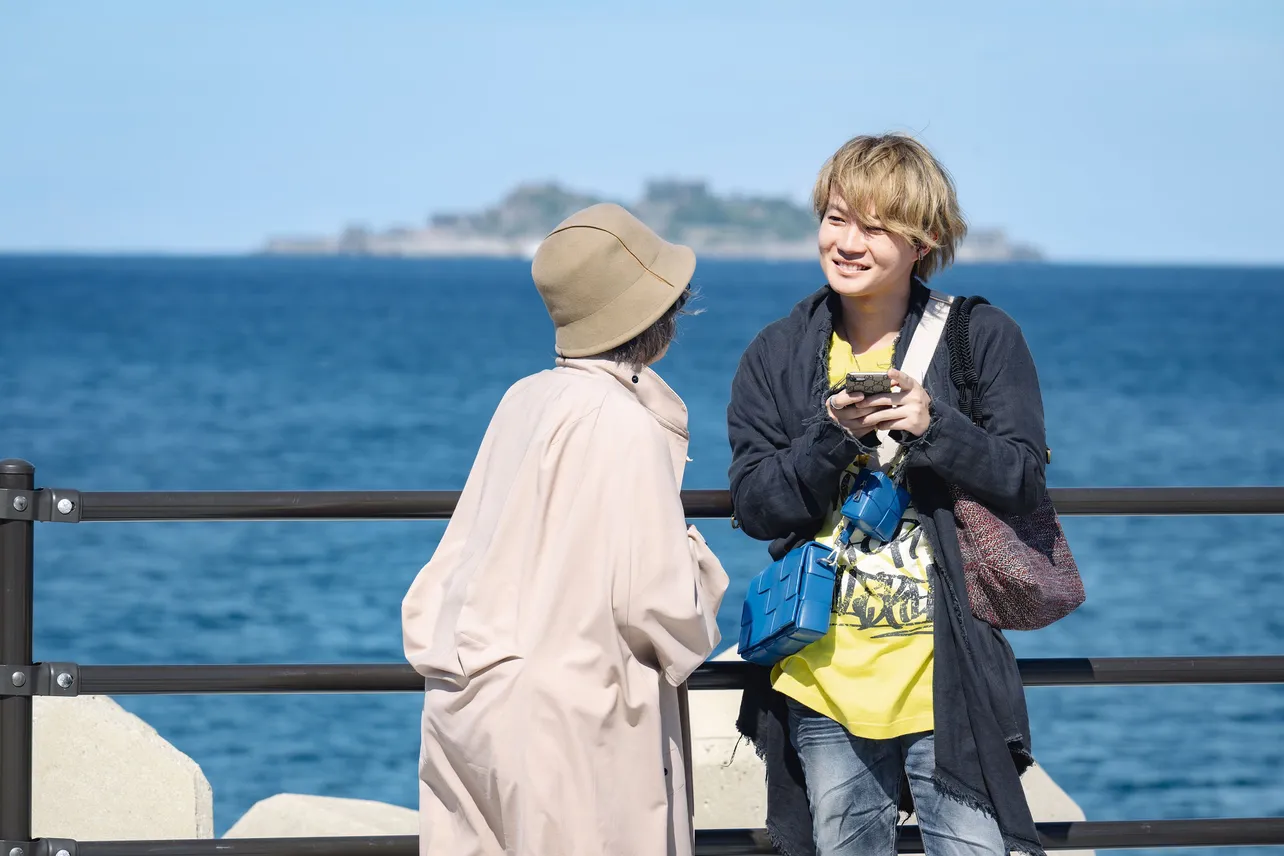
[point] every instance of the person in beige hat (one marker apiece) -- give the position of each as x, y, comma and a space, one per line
568, 600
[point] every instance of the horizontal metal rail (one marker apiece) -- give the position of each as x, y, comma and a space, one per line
440, 504
714, 675
23, 505
1085, 835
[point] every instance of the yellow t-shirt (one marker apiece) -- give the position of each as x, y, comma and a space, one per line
872, 672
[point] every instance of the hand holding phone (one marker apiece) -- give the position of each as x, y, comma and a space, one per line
905, 407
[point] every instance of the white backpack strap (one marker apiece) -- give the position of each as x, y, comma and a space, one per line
923, 342
927, 335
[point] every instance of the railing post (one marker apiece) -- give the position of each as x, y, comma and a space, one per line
684, 713
15, 650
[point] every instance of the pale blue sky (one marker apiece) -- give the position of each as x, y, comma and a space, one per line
1138, 131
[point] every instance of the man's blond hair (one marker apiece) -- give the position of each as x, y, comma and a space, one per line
894, 179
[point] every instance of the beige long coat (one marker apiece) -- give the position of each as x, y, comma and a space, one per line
565, 603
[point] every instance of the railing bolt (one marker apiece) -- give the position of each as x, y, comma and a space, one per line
17, 851
20, 503
18, 679
63, 853
65, 506
64, 679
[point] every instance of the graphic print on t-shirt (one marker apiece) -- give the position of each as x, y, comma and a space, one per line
885, 585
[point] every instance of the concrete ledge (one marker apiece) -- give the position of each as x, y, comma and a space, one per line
301, 816
731, 793
102, 774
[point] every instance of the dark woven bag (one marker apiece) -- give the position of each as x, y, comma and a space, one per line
1019, 571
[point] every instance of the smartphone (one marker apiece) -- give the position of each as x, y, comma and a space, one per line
869, 383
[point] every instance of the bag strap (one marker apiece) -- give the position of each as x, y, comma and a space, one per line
962, 369
927, 335
923, 342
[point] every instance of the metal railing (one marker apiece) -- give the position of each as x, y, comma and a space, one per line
22, 505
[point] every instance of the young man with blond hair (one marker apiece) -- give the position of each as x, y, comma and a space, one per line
907, 691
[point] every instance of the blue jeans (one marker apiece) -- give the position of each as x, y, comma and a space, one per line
853, 786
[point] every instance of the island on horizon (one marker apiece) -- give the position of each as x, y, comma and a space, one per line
749, 227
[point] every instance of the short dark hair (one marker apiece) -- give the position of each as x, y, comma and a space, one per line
647, 346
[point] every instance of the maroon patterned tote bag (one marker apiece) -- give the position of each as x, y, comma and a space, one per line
1018, 567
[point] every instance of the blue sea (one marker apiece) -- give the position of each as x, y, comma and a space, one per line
347, 374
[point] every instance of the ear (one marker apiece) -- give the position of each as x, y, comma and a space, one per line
923, 251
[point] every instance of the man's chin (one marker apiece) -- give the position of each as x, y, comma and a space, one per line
867, 283
854, 286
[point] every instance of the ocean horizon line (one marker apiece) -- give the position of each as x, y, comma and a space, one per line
710, 258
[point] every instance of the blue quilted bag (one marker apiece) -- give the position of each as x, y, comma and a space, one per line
788, 605
875, 506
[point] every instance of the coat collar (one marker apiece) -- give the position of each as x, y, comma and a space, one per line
650, 390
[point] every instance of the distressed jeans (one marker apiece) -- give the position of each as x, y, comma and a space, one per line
853, 786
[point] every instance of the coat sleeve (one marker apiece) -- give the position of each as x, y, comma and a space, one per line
674, 583
780, 484
1002, 461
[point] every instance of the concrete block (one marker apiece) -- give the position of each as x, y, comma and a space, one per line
100, 773
302, 816
729, 780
